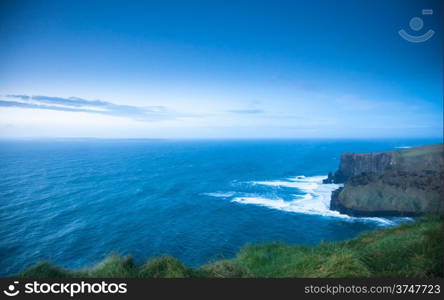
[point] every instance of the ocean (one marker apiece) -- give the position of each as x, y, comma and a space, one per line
75, 201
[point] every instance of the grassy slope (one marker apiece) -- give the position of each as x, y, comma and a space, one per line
429, 157
411, 250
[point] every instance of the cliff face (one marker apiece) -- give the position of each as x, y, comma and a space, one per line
353, 164
397, 183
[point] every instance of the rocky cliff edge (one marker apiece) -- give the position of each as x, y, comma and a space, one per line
397, 183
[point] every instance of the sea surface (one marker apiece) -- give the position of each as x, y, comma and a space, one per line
74, 201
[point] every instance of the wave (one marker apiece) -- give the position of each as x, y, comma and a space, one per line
314, 198
220, 194
311, 185
403, 147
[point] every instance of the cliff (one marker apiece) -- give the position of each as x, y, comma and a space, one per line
397, 183
353, 164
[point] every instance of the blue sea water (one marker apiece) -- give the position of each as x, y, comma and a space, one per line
73, 202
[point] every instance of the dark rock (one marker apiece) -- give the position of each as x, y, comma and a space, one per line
353, 164
397, 183
334, 204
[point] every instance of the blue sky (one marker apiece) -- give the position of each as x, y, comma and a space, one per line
219, 69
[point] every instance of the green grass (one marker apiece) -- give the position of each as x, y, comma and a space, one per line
412, 250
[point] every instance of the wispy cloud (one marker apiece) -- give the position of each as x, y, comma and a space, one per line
73, 104
246, 111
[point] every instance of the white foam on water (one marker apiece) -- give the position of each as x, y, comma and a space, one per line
403, 147
315, 200
220, 194
310, 185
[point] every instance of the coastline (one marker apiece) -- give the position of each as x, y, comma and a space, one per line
314, 220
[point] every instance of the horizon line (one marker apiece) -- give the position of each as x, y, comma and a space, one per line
223, 138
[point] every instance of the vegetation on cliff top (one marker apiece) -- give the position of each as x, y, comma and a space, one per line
414, 249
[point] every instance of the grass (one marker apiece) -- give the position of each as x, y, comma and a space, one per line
413, 250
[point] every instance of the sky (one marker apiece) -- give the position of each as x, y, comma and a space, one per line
220, 69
